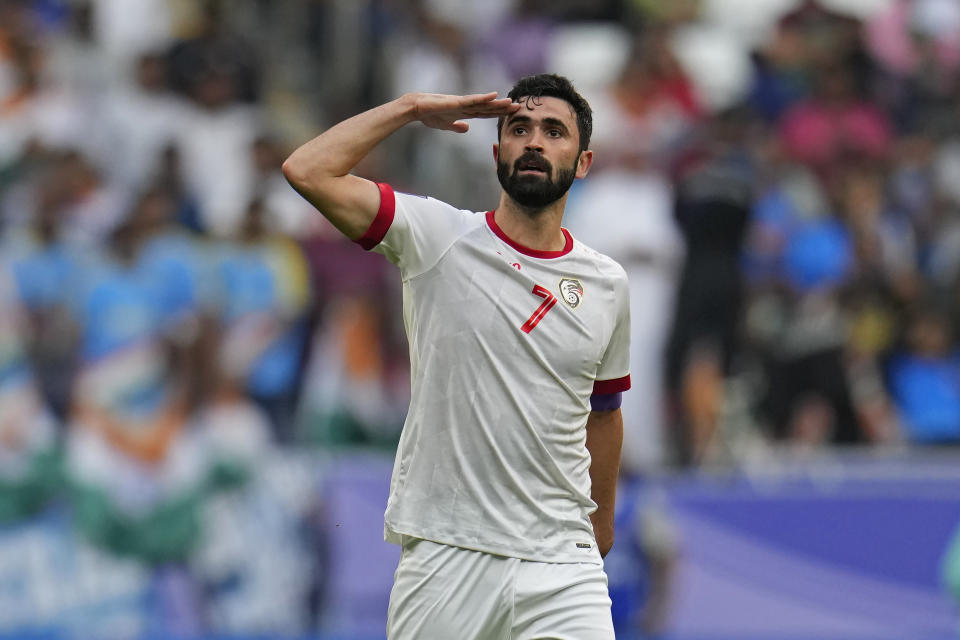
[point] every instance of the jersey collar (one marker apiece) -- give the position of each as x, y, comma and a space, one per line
527, 251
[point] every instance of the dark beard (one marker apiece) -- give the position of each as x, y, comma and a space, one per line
534, 192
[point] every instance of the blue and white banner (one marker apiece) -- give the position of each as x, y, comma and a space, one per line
830, 550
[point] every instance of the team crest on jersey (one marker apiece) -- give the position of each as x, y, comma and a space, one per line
571, 292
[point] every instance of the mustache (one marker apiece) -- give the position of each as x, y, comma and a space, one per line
532, 159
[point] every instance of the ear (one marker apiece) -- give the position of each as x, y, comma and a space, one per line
584, 162
496, 152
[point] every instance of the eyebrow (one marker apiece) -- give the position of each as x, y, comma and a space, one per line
524, 119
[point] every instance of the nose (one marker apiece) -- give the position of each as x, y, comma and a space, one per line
534, 141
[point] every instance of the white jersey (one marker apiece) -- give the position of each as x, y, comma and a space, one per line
507, 344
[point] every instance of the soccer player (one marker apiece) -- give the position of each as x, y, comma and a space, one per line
503, 488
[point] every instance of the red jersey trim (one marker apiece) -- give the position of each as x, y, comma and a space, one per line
617, 385
536, 253
381, 223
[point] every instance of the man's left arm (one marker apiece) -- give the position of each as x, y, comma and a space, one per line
604, 439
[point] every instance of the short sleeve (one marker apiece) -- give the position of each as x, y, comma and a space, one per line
413, 232
613, 375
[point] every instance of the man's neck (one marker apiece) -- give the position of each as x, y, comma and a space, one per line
538, 230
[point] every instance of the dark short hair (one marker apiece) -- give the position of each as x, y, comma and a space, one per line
551, 85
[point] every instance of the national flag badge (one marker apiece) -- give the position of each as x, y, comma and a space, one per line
571, 292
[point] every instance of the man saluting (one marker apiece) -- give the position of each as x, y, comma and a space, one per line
504, 484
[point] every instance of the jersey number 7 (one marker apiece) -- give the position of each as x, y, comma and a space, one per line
548, 301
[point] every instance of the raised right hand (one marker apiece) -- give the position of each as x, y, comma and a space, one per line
320, 169
447, 112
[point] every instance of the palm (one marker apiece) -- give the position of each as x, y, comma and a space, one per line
448, 112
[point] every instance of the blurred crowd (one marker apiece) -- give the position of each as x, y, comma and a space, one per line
780, 178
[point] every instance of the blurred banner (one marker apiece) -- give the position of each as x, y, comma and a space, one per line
851, 548
848, 549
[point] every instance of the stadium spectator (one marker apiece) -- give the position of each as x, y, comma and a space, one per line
29, 460
232, 431
92, 207
214, 49
924, 380
287, 213
127, 452
263, 284
213, 143
651, 109
351, 399
712, 205
835, 124
139, 120
800, 258
626, 212
44, 265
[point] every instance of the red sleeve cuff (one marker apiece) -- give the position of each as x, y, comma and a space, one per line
617, 385
381, 223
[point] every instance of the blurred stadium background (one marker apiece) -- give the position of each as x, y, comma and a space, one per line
202, 384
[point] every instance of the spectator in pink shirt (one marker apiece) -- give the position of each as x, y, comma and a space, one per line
835, 123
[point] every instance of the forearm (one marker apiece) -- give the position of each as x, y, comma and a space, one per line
604, 441
340, 148
320, 169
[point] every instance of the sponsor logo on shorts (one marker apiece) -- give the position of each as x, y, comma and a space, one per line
584, 545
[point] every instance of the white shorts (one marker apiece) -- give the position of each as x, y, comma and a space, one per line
448, 593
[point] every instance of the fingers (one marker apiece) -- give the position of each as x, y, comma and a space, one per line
448, 112
479, 97
500, 107
482, 105
490, 110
